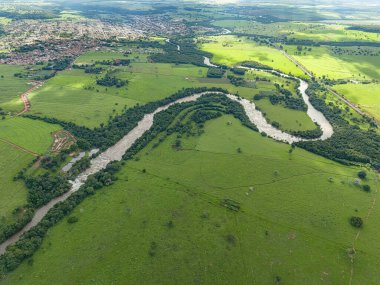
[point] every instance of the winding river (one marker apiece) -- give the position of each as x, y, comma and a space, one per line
116, 151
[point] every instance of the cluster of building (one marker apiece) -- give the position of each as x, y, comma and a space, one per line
158, 25
49, 40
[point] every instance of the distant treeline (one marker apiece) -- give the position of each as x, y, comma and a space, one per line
29, 15
368, 29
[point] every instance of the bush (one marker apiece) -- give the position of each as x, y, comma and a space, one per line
356, 222
72, 220
215, 72
366, 188
362, 174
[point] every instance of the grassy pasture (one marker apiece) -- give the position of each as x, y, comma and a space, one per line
65, 97
33, 135
93, 56
367, 96
11, 87
231, 50
299, 30
289, 119
13, 193
322, 62
74, 96
167, 225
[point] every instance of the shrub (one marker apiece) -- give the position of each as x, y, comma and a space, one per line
366, 188
356, 222
362, 174
72, 220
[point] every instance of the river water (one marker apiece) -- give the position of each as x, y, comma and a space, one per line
117, 151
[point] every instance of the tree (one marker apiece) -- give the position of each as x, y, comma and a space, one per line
362, 174
356, 222
366, 188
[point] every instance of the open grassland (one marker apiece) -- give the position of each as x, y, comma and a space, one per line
231, 50
334, 33
32, 135
11, 87
367, 96
65, 97
322, 62
74, 95
289, 119
163, 221
21, 140
299, 30
13, 193
93, 56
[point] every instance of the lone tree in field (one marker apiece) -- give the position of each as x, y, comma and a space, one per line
356, 222
366, 188
362, 174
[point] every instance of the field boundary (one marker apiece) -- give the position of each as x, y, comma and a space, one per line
19, 147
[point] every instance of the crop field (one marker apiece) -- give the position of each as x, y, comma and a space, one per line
11, 87
164, 222
32, 135
231, 50
367, 96
322, 62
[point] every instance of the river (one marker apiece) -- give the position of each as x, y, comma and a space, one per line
117, 151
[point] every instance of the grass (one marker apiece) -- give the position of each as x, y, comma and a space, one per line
74, 95
289, 119
231, 50
5, 21
65, 97
322, 62
11, 87
13, 193
15, 133
367, 96
33, 135
299, 30
166, 225
93, 56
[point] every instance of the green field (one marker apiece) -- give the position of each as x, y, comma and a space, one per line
33, 135
166, 225
21, 139
322, 62
11, 87
93, 56
65, 97
299, 30
74, 95
367, 96
230, 50
289, 119
13, 193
